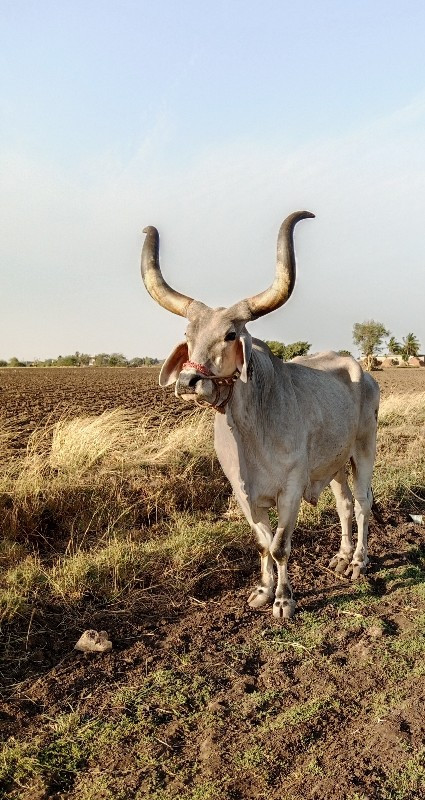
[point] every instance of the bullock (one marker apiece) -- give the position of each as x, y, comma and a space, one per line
283, 431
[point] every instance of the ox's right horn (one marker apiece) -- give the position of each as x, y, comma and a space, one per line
281, 289
152, 277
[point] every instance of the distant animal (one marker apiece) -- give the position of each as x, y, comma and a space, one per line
283, 431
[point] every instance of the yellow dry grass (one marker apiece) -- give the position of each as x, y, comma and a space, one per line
97, 469
114, 502
400, 463
117, 441
78, 506
407, 408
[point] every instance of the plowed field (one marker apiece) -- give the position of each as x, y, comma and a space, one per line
32, 396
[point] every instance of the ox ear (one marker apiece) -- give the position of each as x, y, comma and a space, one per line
171, 367
244, 355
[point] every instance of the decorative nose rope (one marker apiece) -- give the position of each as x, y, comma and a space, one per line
199, 367
219, 381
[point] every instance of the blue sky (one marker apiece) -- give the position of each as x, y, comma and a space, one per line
211, 121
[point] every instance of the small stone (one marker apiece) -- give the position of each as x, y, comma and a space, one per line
93, 642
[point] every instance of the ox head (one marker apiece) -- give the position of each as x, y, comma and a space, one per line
217, 344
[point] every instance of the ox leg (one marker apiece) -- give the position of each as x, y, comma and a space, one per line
280, 549
258, 519
344, 506
362, 464
263, 593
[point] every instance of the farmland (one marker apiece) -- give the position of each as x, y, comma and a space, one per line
115, 516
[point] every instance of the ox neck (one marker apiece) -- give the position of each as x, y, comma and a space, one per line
251, 397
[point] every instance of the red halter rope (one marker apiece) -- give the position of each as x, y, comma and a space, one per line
199, 368
225, 380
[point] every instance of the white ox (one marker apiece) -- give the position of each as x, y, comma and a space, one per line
285, 430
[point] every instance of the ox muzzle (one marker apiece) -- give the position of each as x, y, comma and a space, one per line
197, 383
190, 381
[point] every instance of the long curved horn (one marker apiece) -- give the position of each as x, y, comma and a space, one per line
281, 289
152, 277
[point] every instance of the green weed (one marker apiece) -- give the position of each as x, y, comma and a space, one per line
301, 713
408, 782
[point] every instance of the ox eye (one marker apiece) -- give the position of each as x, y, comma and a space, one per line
230, 337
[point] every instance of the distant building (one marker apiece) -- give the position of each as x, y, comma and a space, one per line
393, 360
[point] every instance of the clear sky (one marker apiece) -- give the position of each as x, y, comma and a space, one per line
211, 121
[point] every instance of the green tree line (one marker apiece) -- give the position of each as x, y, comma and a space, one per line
288, 351
84, 360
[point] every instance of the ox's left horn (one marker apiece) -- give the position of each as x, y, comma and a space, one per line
152, 277
281, 289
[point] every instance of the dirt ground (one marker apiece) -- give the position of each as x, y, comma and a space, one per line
31, 396
215, 700
212, 700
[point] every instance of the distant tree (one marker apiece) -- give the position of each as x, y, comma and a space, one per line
277, 348
117, 360
137, 362
288, 351
410, 347
14, 362
296, 349
67, 361
82, 359
344, 353
101, 360
368, 337
394, 347
146, 361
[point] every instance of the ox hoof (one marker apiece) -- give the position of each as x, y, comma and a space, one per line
355, 570
283, 609
261, 596
339, 564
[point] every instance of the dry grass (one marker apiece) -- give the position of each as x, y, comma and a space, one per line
113, 503
399, 476
116, 442
88, 475
406, 408
400, 464
81, 508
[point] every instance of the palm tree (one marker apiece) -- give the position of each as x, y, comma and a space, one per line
411, 345
394, 347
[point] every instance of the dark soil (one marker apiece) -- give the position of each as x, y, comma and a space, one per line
400, 379
34, 396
